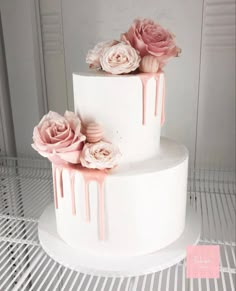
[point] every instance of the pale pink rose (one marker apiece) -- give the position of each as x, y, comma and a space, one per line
149, 38
58, 138
93, 55
120, 59
100, 155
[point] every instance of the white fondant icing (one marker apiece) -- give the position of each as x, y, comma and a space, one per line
116, 102
145, 205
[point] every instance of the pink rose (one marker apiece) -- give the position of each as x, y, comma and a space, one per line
100, 155
93, 56
149, 38
58, 138
119, 59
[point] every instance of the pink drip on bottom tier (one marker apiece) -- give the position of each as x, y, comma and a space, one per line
88, 175
132, 210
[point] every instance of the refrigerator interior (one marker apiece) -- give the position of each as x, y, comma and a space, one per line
41, 44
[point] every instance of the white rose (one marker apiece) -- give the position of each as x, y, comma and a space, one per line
119, 59
100, 155
93, 56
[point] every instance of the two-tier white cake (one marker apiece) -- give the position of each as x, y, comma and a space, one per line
119, 189
141, 206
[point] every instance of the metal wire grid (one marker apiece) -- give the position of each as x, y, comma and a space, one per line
25, 190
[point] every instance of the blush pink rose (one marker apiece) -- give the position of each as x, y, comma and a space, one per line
149, 38
120, 59
93, 55
58, 138
101, 155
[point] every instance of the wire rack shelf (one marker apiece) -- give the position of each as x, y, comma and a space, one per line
26, 189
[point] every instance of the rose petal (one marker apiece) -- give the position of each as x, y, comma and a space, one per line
55, 159
100, 155
42, 153
37, 136
58, 138
78, 145
72, 157
93, 56
120, 59
73, 121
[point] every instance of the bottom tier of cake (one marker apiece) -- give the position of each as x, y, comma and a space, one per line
134, 210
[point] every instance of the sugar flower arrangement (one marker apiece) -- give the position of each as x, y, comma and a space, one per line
60, 139
145, 47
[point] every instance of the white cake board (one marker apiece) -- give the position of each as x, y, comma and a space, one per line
86, 263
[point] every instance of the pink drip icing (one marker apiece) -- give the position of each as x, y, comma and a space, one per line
72, 185
89, 175
145, 77
101, 211
87, 205
163, 104
61, 182
156, 98
54, 186
98, 176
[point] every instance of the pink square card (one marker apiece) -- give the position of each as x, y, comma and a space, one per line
203, 261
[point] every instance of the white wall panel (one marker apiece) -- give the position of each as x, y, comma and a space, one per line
2, 92
216, 116
7, 139
23, 66
2, 143
53, 51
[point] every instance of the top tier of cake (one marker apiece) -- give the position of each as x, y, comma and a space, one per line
129, 107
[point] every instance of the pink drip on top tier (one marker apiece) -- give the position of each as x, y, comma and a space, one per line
163, 104
88, 175
145, 77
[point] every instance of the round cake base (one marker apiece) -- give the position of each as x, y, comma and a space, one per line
86, 263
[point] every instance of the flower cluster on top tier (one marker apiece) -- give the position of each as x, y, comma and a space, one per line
145, 47
63, 140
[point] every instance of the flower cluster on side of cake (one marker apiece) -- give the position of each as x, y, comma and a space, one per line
145, 47
64, 140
